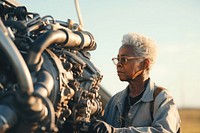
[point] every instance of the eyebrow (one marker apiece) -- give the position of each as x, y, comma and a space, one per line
122, 55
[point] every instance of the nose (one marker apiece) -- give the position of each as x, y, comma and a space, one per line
119, 64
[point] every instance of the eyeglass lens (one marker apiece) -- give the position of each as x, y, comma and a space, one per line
122, 60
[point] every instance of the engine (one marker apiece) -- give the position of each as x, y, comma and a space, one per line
47, 81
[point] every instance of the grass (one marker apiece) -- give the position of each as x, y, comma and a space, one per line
190, 120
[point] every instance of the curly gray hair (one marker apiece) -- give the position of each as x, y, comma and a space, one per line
142, 46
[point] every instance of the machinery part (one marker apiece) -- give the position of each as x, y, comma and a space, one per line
47, 81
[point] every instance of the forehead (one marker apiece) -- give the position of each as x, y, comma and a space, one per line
126, 50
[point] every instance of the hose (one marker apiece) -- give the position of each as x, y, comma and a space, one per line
17, 61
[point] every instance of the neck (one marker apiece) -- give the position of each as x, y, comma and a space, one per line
136, 86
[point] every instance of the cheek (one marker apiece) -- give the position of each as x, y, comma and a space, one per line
131, 70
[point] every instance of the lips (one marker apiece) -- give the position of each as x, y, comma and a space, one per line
120, 73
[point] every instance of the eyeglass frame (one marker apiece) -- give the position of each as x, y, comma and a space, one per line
126, 58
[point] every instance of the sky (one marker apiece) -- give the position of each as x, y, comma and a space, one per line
173, 24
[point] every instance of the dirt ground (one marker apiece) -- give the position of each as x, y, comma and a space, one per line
190, 120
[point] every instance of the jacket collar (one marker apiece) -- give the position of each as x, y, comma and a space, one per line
148, 93
121, 98
147, 96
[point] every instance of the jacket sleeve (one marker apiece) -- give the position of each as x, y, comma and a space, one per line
165, 117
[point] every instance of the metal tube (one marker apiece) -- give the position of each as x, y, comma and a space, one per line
79, 13
17, 61
42, 43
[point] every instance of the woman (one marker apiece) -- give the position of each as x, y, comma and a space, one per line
142, 106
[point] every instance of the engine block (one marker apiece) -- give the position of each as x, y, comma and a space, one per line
47, 81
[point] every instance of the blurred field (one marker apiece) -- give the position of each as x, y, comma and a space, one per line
190, 120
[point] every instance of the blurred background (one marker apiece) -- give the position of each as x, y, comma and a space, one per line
173, 24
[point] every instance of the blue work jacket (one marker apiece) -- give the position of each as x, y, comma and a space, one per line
165, 118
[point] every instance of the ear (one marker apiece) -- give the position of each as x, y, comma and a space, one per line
146, 64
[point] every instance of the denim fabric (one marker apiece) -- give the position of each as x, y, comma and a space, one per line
165, 114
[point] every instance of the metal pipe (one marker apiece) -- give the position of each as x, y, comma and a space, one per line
17, 61
44, 84
79, 13
65, 37
42, 43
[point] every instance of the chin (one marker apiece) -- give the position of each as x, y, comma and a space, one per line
122, 79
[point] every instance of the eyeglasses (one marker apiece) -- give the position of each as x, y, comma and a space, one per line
123, 60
